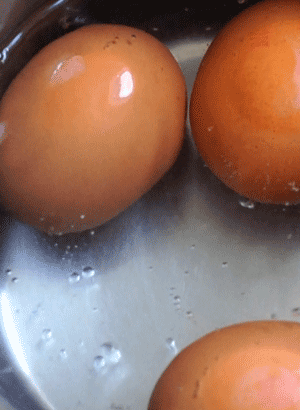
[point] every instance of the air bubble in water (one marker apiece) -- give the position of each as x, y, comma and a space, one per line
88, 272
8, 271
14, 280
177, 301
247, 204
111, 354
224, 264
171, 345
99, 363
63, 354
193, 247
74, 277
46, 334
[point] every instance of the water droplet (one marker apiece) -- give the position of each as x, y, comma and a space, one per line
209, 129
208, 28
74, 277
186, 272
293, 186
273, 316
46, 334
224, 264
56, 244
75, 246
99, 363
68, 247
241, 1
14, 280
82, 216
193, 247
189, 314
63, 354
150, 267
289, 236
247, 204
155, 28
88, 272
95, 309
171, 345
92, 233
8, 271
287, 204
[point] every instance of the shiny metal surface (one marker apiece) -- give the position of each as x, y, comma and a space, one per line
90, 321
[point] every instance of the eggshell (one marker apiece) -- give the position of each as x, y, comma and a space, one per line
245, 104
88, 126
251, 365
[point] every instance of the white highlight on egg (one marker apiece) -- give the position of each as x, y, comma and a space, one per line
67, 69
126, 83
121, 87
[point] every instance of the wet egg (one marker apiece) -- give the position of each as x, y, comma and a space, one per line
245, 103
247, 366
90, 124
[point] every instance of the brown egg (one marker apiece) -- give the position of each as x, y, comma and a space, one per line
245, 104
249, 366
88, 126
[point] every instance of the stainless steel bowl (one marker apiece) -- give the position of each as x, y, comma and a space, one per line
90, 321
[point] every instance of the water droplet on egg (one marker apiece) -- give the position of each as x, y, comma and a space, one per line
247, 204
67, 69
2, 132
88, 272
74, 277
82, 216
92, 233
209, 129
